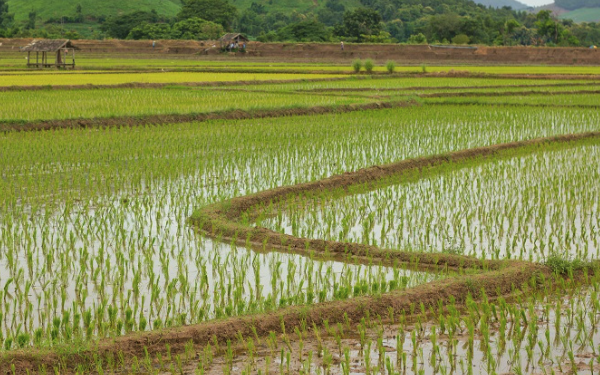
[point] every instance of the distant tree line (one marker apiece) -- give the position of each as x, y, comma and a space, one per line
375, 21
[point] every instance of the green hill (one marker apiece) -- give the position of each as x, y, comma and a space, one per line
47, 9
583, 15
503, 3
577, 4
301, 6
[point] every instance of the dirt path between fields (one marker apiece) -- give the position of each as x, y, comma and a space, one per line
129, 121
144, 85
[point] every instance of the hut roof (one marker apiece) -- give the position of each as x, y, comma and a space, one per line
233, 36
48, 45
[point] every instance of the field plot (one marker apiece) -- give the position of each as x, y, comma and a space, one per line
222, 246
575, 100
553, 210
74, 104
127, 103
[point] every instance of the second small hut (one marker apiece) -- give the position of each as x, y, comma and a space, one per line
62, 50
234, 39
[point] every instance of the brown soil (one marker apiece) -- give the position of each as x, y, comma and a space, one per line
320, 52
105, 122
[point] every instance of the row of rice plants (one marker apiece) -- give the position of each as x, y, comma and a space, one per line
52, 105
378, 83
28, 79
592, 99
473, 94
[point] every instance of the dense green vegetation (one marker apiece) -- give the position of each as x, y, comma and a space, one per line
372, 21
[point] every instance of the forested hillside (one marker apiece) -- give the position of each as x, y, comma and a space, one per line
95, 9
360, 21
516, 5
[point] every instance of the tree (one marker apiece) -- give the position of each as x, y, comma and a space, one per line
417, 39
332, 13
218, 11
78, 14
461, 39
360, 22
444, 26
251, 22
197, 29
31, 20
305, 31
121, 26
150, 31
548, 29
258, 8
3, 12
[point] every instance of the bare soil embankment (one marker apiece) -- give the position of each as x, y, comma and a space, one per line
332, 53
124, 121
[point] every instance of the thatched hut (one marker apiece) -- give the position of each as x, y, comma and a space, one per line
63, 50
232, 38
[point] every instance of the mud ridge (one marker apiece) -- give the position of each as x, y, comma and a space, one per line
143, 85
129, 121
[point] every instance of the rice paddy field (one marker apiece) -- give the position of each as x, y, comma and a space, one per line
316, 222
